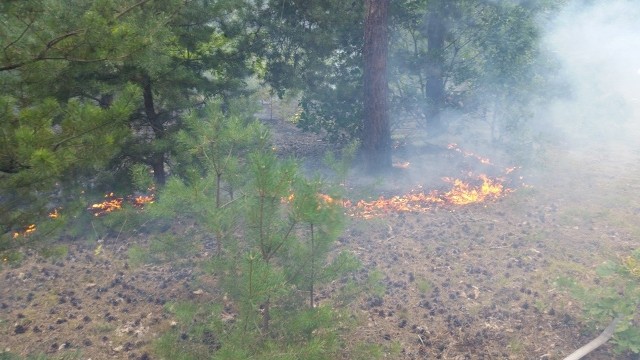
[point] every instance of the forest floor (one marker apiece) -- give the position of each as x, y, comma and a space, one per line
460, 281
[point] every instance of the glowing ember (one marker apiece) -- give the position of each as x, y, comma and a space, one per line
289, 199
54, 214
511, 169
324, 200
110, 204
456, 148
26, 232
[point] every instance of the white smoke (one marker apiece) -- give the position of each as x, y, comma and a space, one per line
597, 45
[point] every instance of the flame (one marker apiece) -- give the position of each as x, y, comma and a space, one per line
54, 214
26, 232
142, 200
289, 199
110, 204
456, 148
324, 200
461, 193
113, 203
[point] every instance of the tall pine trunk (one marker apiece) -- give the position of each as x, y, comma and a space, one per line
376, 138
435, 87
157, 158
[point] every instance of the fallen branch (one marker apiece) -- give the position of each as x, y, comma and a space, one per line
595, 343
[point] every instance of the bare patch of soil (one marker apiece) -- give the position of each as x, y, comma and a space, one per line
91, 303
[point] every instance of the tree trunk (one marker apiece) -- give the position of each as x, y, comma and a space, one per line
376, 138
157, 158
435, 86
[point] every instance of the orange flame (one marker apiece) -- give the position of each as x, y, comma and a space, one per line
324, 200
461, 193
26, 232
111, 204
54, 214
456, 148
142, 200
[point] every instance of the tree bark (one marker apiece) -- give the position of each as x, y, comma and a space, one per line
376, 130
157, 158
435, 86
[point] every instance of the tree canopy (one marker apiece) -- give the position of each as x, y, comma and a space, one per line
92, 89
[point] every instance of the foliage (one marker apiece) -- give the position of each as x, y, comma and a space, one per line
617, 296
11, 258
489, 61
316, 47
55, 252
342, 163
90, 89
49, 147
213, 147
280, 253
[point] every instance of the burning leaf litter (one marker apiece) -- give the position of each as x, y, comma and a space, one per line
113, 203
54, 214
456, 148
26, 232
461, 193
110, 204
478, 189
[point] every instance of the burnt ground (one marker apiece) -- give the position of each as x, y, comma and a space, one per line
458, 282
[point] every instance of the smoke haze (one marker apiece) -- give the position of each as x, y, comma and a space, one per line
597, 45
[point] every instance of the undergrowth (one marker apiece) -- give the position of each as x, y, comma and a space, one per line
617, 296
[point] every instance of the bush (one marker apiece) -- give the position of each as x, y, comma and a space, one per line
617, 296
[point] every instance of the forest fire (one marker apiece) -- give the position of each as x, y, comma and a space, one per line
142, 200
110, 204
479, 189
54, 214
26, 232
323, 200
456, 148
113, 203
461, 193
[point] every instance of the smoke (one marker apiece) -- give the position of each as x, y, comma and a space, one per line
597, 47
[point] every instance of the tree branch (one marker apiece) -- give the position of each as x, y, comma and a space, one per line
19, 37
595, 343
127, 10
43, 54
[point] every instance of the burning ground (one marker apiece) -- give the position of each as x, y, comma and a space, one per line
470, 280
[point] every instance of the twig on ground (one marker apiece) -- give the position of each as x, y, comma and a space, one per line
422, 341
595, 343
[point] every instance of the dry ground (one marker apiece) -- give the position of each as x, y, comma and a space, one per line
460, 282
